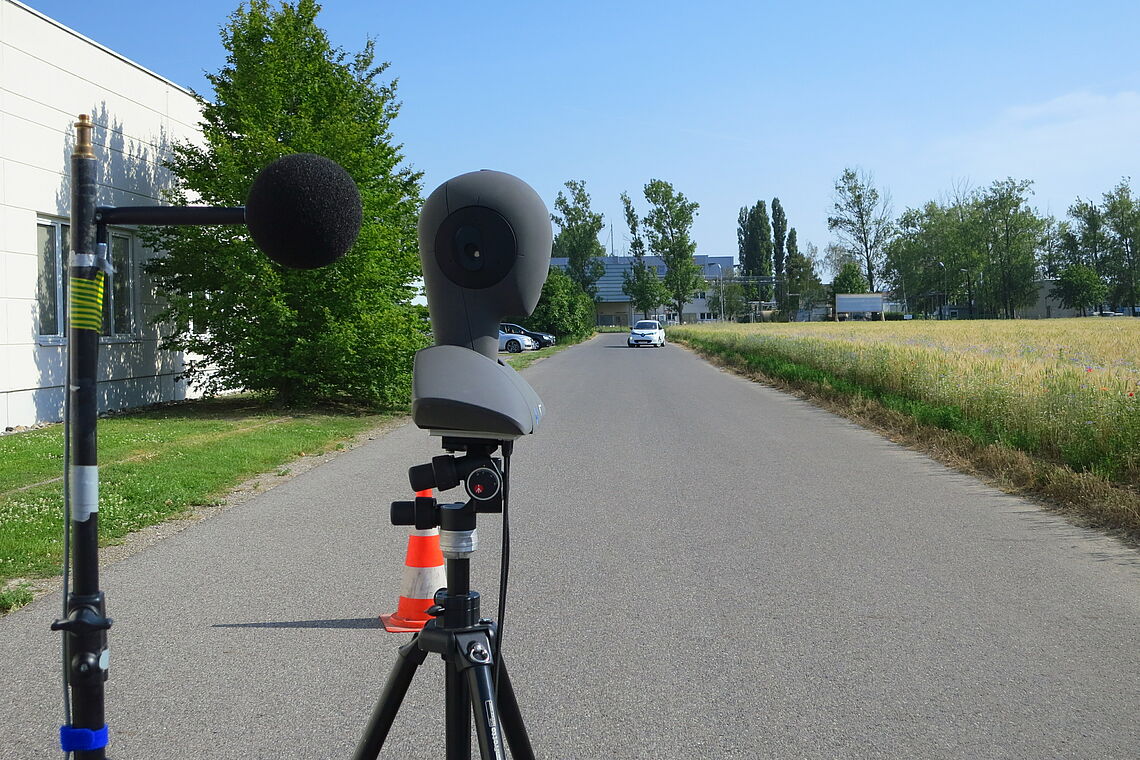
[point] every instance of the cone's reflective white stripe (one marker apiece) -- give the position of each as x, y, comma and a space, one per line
422, 582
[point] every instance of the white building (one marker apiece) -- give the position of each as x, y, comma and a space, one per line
49, 75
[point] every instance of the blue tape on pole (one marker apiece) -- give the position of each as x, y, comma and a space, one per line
79, 739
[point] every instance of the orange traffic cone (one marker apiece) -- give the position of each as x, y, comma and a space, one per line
423, 576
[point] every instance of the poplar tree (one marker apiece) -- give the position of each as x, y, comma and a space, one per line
754, 245
779, 231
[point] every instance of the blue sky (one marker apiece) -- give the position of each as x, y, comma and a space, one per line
732, 102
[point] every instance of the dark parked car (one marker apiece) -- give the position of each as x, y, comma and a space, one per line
542, 339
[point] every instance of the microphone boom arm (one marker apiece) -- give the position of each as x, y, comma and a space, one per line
169, 215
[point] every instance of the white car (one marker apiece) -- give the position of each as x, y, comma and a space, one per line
513, 344
647, 332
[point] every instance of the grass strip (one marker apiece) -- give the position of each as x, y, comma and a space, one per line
1009, 459
524, 359
154, 465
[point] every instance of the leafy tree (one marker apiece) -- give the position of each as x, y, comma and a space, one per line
1012, 233
1054, 254
834, 257
1087, 240
779, 235
641, 283
862, 218
786, 248
924, 260
563, 308
800, 278
667, 224
1079, 287
344, 332
577, 237
803, 277
727, 299
850, 280
754, 245
1122, 219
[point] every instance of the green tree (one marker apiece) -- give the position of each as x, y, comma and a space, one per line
563, 308
802, 288
344, 332
754, 246
727, 299
667, 226
1079, 287
803, 277
1122, 219
577, 238
1012, 233
641, 283
862, 218
1087, 240
924, 260
850, 280
779, 241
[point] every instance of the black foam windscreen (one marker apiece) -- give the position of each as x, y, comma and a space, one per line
303, 211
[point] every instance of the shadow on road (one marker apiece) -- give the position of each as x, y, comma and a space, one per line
347, 623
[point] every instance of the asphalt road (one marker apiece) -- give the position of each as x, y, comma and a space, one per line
701, 568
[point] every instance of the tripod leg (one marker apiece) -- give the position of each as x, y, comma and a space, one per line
457, 706
410, 658
513, 726
487, 729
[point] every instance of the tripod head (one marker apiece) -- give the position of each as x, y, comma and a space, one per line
484, 478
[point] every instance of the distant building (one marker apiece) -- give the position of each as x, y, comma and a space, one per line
1046, 306
614, 307
50, 75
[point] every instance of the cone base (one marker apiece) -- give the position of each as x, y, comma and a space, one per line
395, 624
409, 617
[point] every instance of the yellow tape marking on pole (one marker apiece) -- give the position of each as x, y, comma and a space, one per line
86, 311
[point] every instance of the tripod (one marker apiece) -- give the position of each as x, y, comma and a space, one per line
476, 679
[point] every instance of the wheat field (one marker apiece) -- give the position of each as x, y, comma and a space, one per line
1065, 389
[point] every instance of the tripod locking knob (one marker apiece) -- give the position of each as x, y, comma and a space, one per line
420, 513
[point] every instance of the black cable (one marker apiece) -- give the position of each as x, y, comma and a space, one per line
505, 556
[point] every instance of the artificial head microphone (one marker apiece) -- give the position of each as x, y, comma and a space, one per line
303, 211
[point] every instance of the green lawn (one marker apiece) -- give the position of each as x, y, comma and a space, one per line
153, 465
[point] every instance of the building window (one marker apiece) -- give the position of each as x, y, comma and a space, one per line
54, 244
118, 301
52, 239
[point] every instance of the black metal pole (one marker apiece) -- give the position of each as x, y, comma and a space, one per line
86, 624
457, 700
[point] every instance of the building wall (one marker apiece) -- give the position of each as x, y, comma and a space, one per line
48, 76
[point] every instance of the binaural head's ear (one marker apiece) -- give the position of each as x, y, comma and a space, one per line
304, 211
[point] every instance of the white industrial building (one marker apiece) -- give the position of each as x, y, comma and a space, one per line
50, 74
